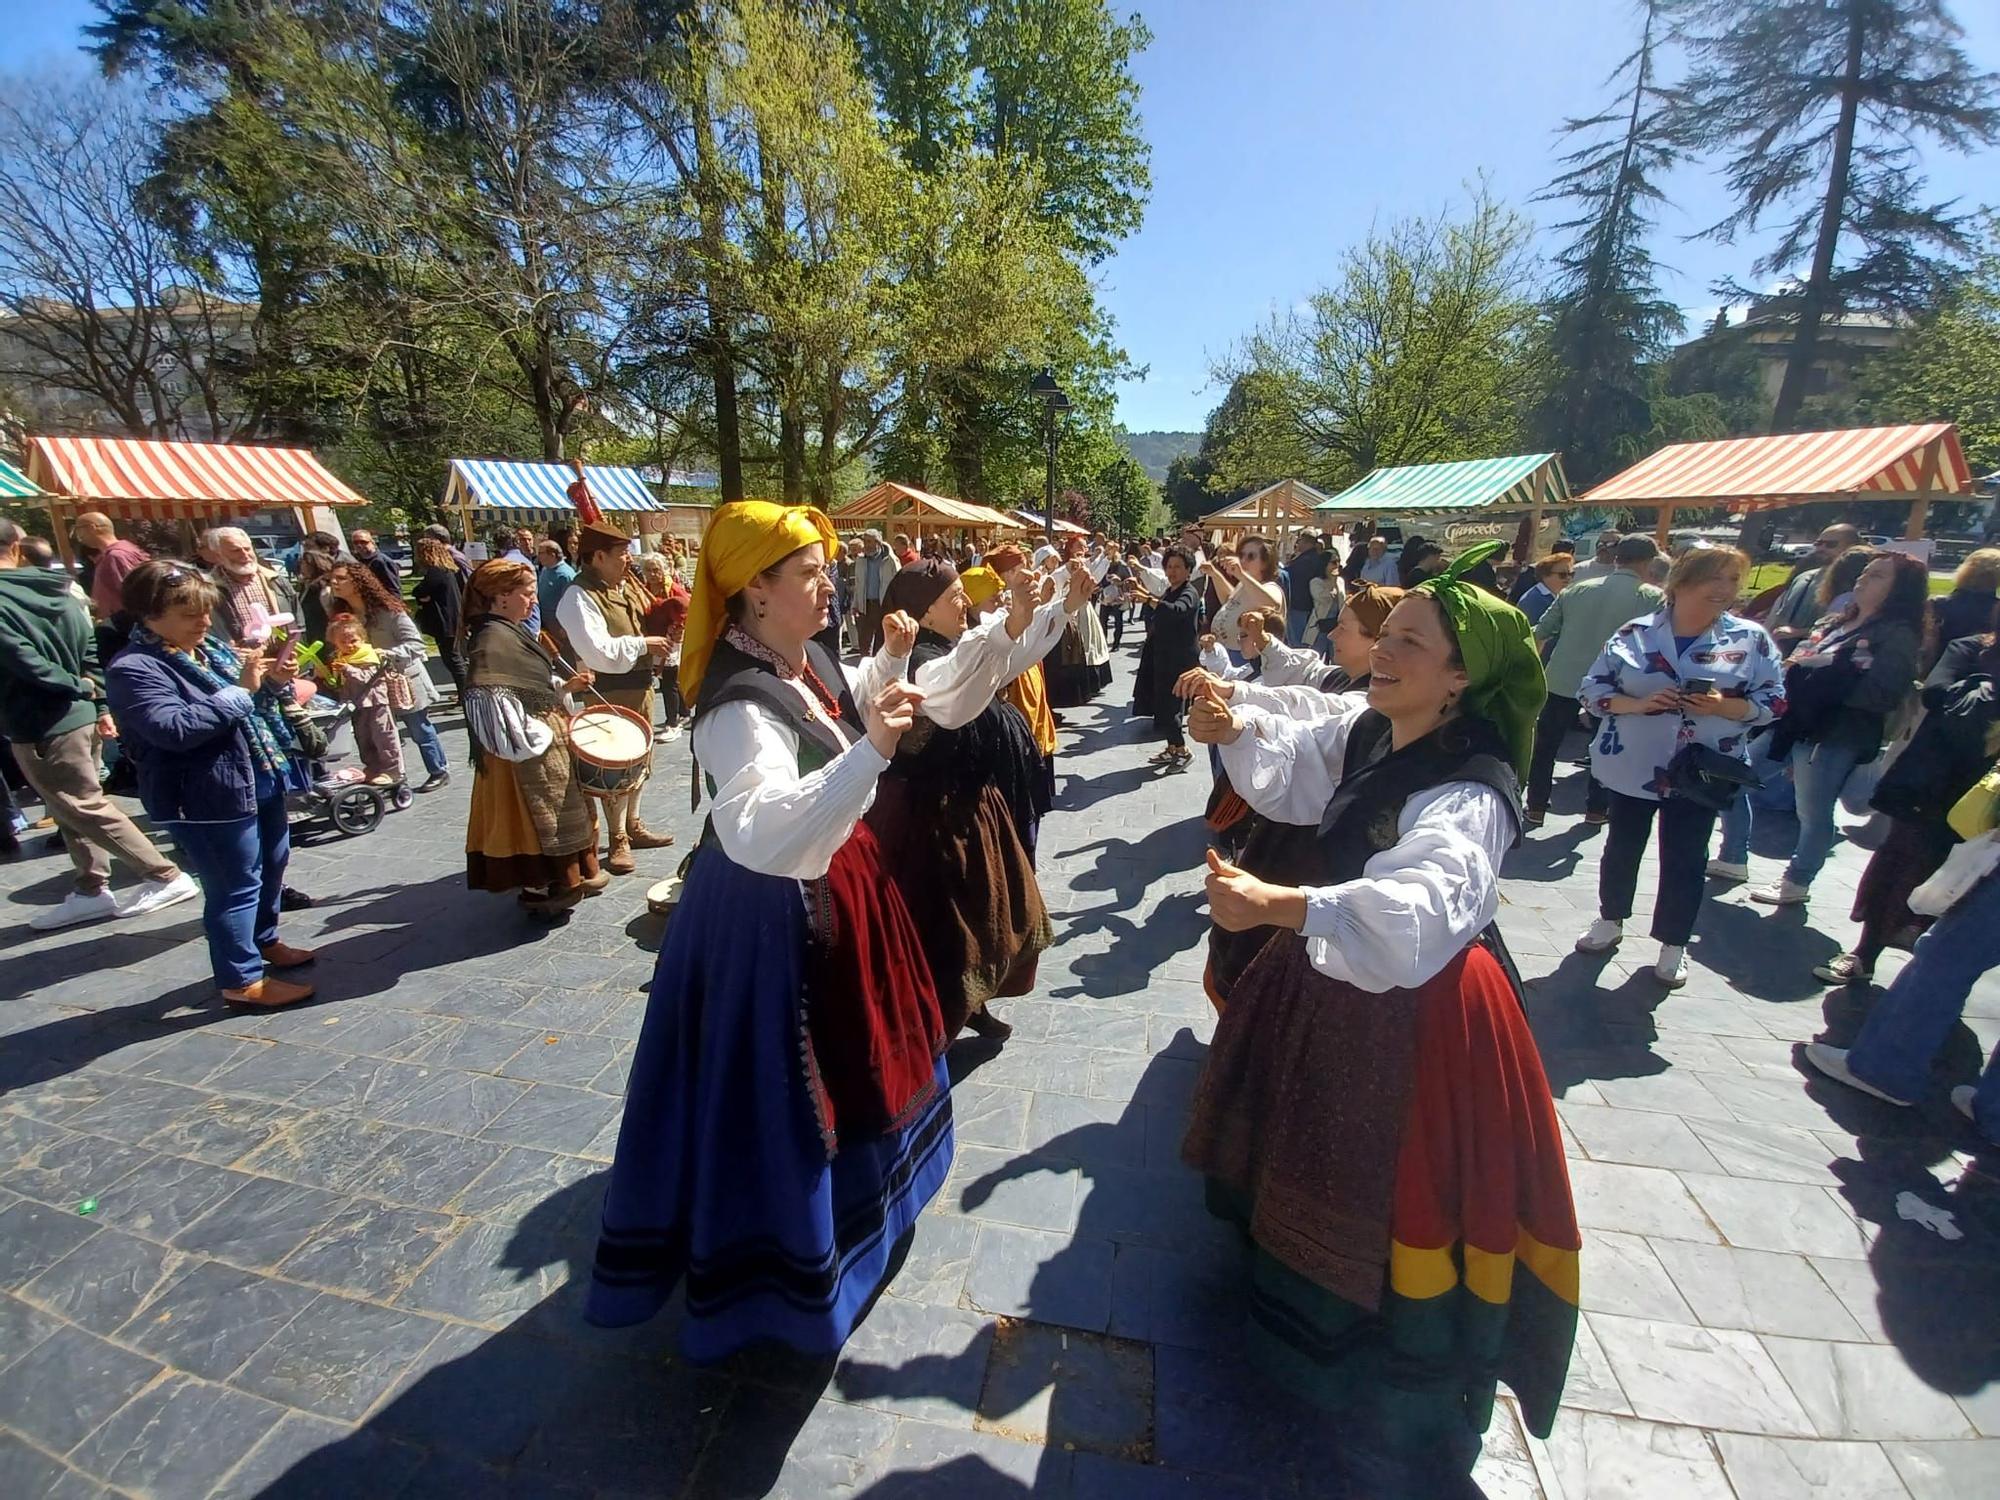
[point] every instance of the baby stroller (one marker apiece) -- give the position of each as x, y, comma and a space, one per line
341, 801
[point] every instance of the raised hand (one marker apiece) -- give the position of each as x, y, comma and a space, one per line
891, 712
1080, 586
1210, 721
1191, 683
1238, 900
899, 633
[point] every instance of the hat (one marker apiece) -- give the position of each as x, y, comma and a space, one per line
743, 538
600, 536
981, 584
1504, 683
1005, 558
917, 587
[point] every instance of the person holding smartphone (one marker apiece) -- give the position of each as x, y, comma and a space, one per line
215, 758
1691, 673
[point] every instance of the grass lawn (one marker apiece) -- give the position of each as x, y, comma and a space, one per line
1765, 575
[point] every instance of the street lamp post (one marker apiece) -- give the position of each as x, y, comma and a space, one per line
1054, 401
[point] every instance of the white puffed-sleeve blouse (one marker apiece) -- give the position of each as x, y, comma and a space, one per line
1419, 903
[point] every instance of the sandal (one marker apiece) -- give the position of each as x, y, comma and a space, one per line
1847, 968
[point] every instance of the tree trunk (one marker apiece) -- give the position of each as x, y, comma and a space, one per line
1814, 301
721, 356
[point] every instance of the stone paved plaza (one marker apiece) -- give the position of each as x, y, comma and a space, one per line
336, 1251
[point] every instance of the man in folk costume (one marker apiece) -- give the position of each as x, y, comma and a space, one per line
602, 614
1373, 1110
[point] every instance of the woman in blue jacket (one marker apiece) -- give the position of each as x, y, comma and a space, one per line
214, 762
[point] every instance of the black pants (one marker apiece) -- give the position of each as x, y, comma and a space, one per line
1112, 617
1685, 828
1168, 723
1558, 717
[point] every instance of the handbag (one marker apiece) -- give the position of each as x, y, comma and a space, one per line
1978, 811
1963, 868
1707, 777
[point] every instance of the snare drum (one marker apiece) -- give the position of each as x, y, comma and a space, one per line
612, 750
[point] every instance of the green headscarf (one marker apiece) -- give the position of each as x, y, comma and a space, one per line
1503, 670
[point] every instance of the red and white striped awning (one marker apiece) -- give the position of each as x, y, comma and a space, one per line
135, 477
1868, 463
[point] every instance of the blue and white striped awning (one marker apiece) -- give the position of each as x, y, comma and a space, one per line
495, 484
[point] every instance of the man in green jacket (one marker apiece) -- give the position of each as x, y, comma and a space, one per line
1570, 633
52, 709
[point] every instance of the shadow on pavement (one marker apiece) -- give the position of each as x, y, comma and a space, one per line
364, 963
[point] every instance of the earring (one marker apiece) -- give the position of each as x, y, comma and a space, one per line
760, 611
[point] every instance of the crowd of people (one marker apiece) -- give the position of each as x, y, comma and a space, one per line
875, 724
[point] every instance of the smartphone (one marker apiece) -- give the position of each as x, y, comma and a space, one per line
1698, 686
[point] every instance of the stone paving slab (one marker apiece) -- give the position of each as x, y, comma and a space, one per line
337, 1250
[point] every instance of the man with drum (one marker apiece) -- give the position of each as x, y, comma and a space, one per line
601, 614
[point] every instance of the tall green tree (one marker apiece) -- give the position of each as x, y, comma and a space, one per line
1821, 106
1949, 367
1417, 353
1606, 316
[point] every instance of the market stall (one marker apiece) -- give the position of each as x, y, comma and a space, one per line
1033, 520
1917, 463
1282, 507
16, 486
145, 479
901, 507
488, 492
1472, 500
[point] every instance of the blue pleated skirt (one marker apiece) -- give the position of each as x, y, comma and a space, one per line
721, 1179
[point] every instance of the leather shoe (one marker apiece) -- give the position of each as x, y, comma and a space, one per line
285, 956
621, 861
645, 838
590, 885
268, 994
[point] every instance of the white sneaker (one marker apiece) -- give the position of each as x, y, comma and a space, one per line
1603, 936
1962, 1097
155, 894
76, 909
1832, 1061
1672, 969
1722, 869
1782, 892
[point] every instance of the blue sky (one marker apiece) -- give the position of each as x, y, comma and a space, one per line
1282, 129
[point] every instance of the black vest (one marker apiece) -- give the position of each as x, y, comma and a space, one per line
735, 676
1377, 780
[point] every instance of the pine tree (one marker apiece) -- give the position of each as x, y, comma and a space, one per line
1607, 319
1821, 104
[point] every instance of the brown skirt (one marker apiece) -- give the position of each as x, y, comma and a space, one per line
970, 885
1909, 856
528, 824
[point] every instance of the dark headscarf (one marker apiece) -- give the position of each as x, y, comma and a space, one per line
918, 586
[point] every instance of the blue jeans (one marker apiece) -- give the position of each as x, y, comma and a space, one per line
429, 745
1296, 620
1818, 773
1771, 791
241, 867
1909, 1025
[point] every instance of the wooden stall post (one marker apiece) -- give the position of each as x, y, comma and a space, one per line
1920, 508
1663, 527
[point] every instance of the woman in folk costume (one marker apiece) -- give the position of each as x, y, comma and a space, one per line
954, 812
1271, 849
787, 1115
529, 825
985, 587
1082, 666
603, 615
1373, 1110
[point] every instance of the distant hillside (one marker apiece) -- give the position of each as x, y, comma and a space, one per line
1155, 450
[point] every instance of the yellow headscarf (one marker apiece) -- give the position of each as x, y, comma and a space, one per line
743, 538
980, 584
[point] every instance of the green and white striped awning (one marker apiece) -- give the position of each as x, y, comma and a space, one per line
1474, 484
14, 485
